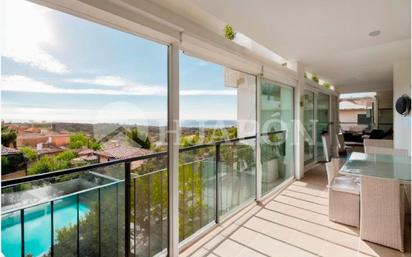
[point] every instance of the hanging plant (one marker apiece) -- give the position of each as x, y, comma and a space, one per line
326, 85
315, 78
229, 32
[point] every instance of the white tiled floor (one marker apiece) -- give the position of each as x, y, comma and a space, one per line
293, 224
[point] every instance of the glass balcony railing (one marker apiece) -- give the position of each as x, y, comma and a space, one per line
92, 210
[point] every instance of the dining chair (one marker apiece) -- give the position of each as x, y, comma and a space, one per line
343, 194
386, 143
382, 212
407, 189
342, 147
384, 150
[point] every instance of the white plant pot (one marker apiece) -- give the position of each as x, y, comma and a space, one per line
272, 171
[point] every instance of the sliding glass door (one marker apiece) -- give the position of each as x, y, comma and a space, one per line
322, 124
308, 123
276, 112
316, 123
217, 167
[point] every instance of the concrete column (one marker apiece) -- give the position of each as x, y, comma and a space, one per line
402, 124
173, 148
298, 122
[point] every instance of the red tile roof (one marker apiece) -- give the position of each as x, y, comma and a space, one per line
122, 152
8, 150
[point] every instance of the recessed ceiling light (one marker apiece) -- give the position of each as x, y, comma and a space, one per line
374, 33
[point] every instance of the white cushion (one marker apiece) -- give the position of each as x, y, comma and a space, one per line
346, 184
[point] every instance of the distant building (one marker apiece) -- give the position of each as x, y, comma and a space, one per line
12, 161
33, 139
49, 150
9, 151
349, 111
122, 152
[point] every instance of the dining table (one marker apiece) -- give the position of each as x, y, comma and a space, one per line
381, 213
378, 165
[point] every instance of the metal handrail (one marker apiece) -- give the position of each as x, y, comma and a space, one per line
16, 181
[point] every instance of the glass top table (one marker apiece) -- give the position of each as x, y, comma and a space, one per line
378, 165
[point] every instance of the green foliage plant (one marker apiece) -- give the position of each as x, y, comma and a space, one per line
29, 153
315, 78
78, 140
326, 85
134, 135
229, 32
8, 136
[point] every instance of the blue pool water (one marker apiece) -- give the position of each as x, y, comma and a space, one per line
37, 227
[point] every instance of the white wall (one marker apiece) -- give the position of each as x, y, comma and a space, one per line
401, 85
246, 103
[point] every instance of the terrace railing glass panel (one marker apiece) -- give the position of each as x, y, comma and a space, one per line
197, 190
236, 174
65, 215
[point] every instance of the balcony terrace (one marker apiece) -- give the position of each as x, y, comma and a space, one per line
151, 128
293, 222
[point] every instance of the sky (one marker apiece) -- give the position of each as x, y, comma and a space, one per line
57, 67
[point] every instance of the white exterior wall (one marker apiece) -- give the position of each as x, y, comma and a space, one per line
246, 106
401, 85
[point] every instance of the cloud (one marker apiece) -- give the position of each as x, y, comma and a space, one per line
19, 83
26, 30
110, 81
129, 114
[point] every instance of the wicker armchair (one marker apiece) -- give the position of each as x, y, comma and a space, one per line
384, 150
343, 196
382, 212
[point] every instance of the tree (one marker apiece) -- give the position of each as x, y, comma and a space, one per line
78, 140
66, 156
8, 136
93, 144
49, 163
41, 166
138, 137
29, 153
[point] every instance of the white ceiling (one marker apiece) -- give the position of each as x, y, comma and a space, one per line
330, 37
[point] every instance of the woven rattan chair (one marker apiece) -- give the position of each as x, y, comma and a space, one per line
384, 150
382, 212
343, 196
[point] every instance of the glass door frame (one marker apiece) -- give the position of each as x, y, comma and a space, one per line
259, 193
330, 122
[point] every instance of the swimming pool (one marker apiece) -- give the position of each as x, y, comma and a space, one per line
37, 226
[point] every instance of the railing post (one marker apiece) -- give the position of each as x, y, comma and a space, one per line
217, 192
52, 227
99, 210
22, 231
127, 209
78, 223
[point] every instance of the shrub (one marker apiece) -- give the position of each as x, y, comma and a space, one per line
8, 136
66, 155
29, 153
229, 32
315, 78
135, 136
78, 140
48, 163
